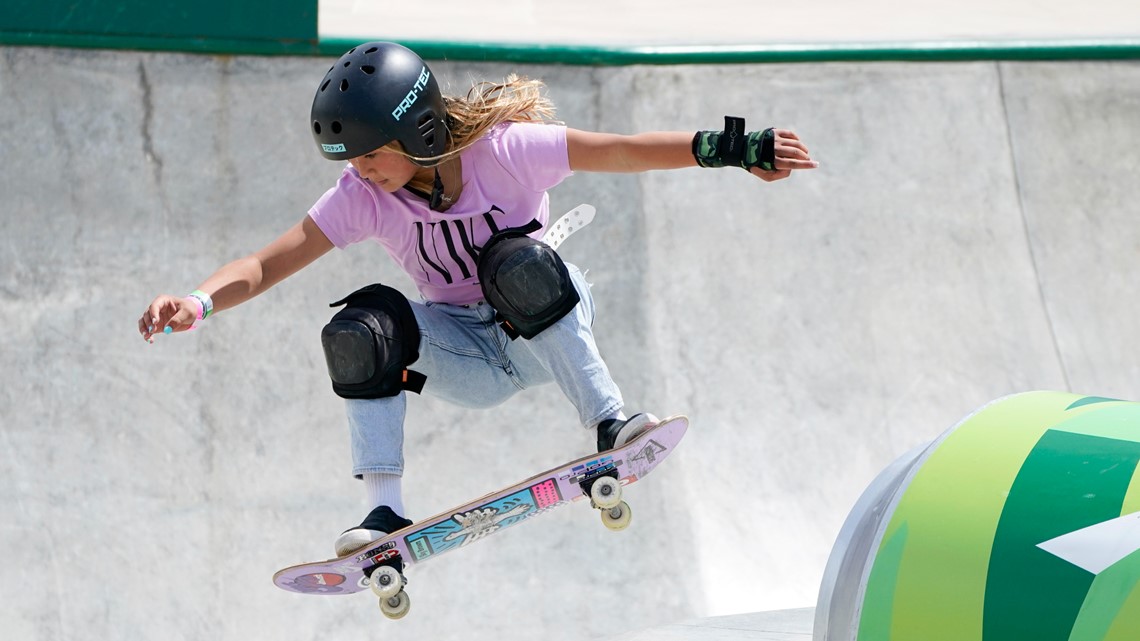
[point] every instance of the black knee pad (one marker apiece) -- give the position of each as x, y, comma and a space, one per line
526, 282
370, 344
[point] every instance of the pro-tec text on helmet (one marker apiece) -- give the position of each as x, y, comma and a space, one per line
413, 94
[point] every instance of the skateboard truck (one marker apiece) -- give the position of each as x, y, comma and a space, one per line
387, 583
604, 491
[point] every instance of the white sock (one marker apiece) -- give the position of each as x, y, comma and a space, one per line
619, 415
384, 489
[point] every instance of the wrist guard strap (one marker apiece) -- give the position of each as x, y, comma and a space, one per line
734, 148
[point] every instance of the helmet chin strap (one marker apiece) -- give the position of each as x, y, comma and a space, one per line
438, 200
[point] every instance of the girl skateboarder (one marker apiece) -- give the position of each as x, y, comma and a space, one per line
455, 190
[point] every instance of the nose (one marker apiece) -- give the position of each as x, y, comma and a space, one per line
364, 171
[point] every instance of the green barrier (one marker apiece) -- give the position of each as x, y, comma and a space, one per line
534, 53
223, 26
289, 27
1023, 522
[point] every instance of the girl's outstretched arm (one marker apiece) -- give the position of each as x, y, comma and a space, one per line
605, 152
240, 280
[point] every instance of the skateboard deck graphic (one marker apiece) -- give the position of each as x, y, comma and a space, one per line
492, 513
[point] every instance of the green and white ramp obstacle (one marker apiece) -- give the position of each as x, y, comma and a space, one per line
1020, 523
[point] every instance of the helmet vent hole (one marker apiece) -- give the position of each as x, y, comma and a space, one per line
344, 85
325, 84
370, 50
336, 127
347, 64
316, 127
427, 129
368, 69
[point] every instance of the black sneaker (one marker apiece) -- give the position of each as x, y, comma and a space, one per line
615, 432
379, 523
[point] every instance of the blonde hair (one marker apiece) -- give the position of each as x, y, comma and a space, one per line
486, 105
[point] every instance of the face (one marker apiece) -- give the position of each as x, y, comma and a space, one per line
388, 170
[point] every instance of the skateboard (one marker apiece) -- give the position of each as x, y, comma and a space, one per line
597, 478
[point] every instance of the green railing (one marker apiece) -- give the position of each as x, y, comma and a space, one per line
1117, 49
289, 27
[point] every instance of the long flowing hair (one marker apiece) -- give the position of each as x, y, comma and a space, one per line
487, 104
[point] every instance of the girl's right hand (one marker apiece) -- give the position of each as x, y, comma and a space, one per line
165, 311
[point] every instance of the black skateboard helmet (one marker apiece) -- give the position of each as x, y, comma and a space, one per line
376, 93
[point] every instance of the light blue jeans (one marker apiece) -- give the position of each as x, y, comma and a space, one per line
469, 361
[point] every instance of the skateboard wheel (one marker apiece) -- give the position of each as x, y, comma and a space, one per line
386, 582
618, 517
397, 606
606, 493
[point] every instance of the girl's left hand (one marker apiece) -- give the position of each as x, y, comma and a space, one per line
791, 155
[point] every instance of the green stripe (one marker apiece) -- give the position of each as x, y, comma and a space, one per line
1126, 627
1068, 482
878, 604
950, 511
1111, 611
1132, 496
1118, 421
1090, 400
1105, 604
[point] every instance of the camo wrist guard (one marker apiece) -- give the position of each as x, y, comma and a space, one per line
734, 148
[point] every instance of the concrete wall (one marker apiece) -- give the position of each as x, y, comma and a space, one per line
971, 233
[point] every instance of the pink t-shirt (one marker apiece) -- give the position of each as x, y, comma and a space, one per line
505, 177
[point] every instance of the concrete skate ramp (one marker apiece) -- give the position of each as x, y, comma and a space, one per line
971, 233
781, 625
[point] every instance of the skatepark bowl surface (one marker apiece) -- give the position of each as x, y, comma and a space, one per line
971, 232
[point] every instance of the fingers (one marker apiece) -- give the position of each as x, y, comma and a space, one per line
796, 163
792, 152
165, 314
149, 321
791, 155
145, 329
